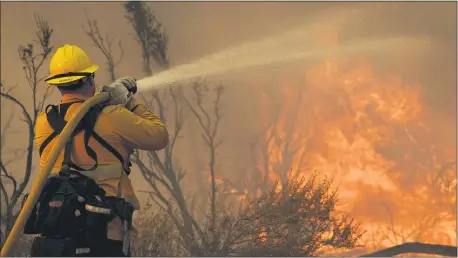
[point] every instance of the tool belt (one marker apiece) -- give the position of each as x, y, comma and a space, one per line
72, 207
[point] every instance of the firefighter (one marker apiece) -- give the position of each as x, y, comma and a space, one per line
98, 153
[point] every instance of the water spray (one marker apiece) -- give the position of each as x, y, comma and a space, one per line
294, 44
237, 58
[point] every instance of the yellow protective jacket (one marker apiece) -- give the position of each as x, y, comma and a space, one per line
123, 129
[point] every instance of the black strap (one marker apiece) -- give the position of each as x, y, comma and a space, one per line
57, 122
47, 141
67, 75
56, 119
90, 124
107, 146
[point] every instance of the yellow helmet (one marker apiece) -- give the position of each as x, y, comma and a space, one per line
69, 63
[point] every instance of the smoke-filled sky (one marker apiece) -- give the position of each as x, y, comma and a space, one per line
199, 28
196, 29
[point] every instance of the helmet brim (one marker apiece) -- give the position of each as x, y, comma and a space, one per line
68, 79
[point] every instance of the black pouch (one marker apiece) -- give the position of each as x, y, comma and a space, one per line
34, 224
98, 214
65, 217
30, 227
50, 247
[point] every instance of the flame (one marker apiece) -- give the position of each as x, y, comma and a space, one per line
218, 180
396, 175
262, 236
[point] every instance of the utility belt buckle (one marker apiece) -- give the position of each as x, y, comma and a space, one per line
65, 169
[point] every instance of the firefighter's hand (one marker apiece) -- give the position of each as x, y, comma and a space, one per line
120, 91
130, 83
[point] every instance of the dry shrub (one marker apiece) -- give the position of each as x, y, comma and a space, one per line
21, 247
156, 236
298, 220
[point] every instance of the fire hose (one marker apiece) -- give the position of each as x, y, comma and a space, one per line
44, 173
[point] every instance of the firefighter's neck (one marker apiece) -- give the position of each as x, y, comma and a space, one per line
81, 94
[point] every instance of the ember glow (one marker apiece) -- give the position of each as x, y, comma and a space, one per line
372, 134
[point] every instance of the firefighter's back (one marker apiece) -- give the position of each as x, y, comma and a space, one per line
121, 128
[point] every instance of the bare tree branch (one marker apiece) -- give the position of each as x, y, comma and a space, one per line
104, 44
5, 130
32, 61
9, 176
28, 118
210, 129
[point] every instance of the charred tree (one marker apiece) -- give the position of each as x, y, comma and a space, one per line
163, 174
149, 34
